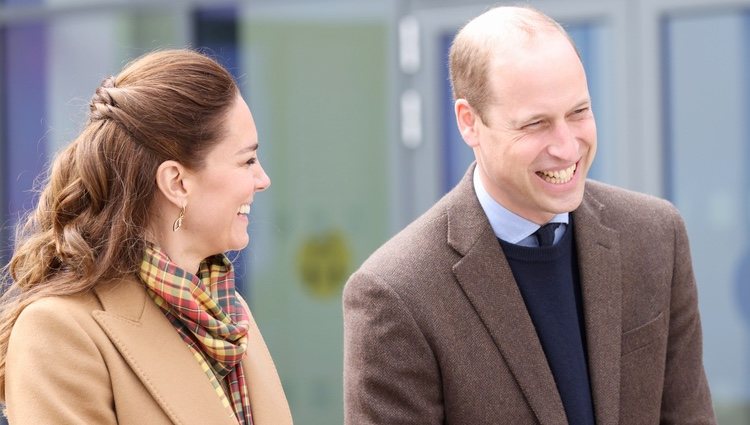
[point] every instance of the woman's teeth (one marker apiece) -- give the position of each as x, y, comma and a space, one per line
244, 209
558, 177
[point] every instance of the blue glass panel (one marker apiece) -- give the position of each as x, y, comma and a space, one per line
706, 64
24, 96
216, 31
741, 276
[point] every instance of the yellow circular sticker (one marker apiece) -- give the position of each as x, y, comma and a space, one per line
323, 263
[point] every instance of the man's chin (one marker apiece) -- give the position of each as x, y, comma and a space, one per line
561, 205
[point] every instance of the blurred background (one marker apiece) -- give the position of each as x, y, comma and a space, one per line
353, 107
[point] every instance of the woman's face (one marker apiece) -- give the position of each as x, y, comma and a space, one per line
221, 193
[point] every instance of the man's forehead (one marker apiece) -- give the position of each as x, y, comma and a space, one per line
522, 48
509, 23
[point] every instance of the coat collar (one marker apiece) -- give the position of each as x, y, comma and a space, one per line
145, 338
486, 278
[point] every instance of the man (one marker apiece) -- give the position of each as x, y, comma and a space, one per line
480, 312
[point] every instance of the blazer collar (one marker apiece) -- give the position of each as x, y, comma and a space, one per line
484, 274
157, 355
167, 368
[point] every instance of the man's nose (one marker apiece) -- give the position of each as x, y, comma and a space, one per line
564, 144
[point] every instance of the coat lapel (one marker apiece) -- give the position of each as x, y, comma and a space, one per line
485, 277
600, 273
158, 356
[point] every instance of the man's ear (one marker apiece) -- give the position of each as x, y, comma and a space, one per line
467, 121
170, 178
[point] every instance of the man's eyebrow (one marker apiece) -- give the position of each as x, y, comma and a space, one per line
527, 119
531, 118
583, 102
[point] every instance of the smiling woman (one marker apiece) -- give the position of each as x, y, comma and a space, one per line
122, 307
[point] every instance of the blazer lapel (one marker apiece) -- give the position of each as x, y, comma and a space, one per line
600, 273
158, 356
485, 277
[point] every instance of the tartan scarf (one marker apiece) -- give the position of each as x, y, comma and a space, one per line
208, 316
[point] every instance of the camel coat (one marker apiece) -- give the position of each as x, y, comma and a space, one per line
436, 331
111, 357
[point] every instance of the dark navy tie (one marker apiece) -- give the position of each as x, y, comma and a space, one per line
546, 234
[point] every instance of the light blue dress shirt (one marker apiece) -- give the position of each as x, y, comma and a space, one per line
509, 226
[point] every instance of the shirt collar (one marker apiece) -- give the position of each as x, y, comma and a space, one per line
507, 225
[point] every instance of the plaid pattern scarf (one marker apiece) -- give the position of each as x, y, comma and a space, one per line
206, 313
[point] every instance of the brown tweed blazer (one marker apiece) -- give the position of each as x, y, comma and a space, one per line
111, 357
436, 331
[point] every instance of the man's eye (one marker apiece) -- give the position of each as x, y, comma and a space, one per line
532, 125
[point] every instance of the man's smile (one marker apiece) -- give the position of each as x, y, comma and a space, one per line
558, 176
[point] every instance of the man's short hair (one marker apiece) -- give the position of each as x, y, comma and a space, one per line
472, 50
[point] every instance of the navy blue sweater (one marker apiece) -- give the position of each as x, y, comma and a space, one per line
548, 280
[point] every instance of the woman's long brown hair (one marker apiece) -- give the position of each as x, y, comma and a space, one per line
88, 226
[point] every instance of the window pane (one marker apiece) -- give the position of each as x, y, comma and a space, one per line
706, 106
317, 86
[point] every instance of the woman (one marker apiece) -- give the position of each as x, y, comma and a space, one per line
122, 308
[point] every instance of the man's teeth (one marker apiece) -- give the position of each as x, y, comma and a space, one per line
558, 177
244, 209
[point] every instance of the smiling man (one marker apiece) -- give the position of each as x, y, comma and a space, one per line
528, 294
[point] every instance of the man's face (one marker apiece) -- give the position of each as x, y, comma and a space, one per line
539, 138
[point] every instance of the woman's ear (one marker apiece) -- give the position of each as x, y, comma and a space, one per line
170, 178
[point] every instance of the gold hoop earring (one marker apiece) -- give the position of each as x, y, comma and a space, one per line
178, 223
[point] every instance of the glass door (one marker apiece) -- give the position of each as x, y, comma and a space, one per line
701, 62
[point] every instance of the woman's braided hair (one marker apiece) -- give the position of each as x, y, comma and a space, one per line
88, 226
